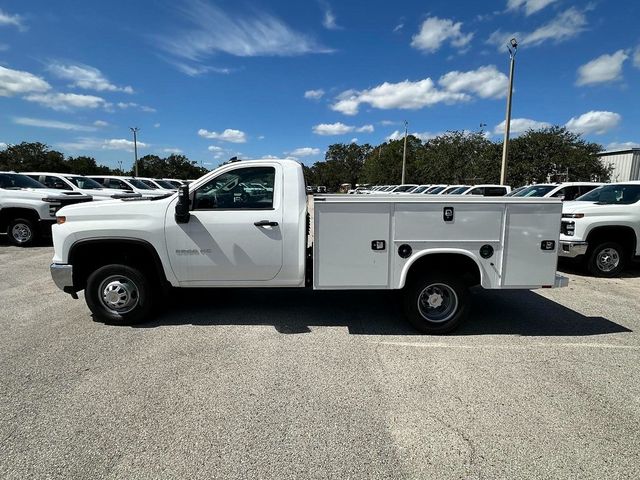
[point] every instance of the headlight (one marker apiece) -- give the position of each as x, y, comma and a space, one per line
60, 220
573, 215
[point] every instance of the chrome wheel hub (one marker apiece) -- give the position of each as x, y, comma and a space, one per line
608, 259
21, 232
437, 303
119, 294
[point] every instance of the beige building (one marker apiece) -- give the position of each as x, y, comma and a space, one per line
625, 163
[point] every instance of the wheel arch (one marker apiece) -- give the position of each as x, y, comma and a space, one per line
9, 213
622, 234
453, 259
87, 255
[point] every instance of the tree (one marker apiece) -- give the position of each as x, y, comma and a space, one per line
36, 156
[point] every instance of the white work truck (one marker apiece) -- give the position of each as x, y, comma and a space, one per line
217, 233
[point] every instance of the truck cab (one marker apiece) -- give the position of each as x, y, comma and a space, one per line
78, 183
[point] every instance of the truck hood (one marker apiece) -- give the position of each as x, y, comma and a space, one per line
115, 208
588, 208
40, 193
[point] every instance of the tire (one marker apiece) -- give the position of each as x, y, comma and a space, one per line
22, 232
606, 260
119, 295
436, 303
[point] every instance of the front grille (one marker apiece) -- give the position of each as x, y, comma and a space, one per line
63, 202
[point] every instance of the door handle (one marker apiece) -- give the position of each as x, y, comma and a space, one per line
265, 223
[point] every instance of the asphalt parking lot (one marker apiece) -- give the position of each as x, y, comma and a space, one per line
301, 384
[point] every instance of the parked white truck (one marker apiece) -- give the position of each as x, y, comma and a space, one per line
215, 233
28, 208
601, 229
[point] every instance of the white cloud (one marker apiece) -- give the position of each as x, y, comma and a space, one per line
172, 150
3, 146
520, 126
66, 101
529, 6
337, 128
365, 129
305, 152
215, 148
13, 20
122, 144
388, 122
424, 136
314, 94
101, 123
86, 77
42, 123
565, 26
605, 68
405, 95
486, 82
354, 140
211, 31
228, 135
90, 143
622, 145
17, 82
144, 108
594, 122
156, 125
196, 70
398, 27
436, 31
329, 19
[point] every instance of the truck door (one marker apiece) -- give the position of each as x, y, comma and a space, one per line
234, 231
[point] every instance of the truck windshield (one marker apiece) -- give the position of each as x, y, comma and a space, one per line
139, 184
404, 188
85, 183
165, 184
457, 191
15, 181
612, 195
535, 191
437, 190
419, 189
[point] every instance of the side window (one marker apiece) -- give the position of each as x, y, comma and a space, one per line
477, 191
560, 193
100, 180
117, 183
571, 193
55, 182
586, 189
242, 188
495, 192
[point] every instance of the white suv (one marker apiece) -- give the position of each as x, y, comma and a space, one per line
566, 191
79, 183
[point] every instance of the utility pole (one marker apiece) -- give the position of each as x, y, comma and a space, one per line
404, 152
513, 48
135, 148
120, 165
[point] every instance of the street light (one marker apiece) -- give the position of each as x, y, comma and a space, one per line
513, 48
135, 148
404, 152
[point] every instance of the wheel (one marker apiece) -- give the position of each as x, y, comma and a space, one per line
436, 303
606, 260
22, 232
119, 295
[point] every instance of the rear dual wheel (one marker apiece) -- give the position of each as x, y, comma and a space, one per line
436, 304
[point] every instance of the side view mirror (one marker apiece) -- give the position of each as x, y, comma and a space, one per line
182, 207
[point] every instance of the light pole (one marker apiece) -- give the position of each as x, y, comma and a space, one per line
135, 148
513, 48
404, 152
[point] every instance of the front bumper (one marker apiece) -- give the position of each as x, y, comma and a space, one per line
572, 249
62, 276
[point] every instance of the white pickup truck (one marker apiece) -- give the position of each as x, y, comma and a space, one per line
601, 228
216, 233
28, 208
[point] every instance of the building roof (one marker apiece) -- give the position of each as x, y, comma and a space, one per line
618, 152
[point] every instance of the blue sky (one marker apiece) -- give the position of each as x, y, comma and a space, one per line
213, 79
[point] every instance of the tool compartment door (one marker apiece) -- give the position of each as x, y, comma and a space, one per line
344, 256
526, 262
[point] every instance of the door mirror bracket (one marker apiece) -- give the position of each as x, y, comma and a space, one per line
182, 207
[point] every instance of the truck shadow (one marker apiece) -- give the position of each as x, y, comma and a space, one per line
569, 266
296, 311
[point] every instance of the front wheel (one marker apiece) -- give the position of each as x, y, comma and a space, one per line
606, 260
119, 295
436, 303
22, 232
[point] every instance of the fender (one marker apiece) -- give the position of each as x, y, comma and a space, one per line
432, 251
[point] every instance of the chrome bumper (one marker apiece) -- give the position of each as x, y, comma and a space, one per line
62, 276
572, 249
